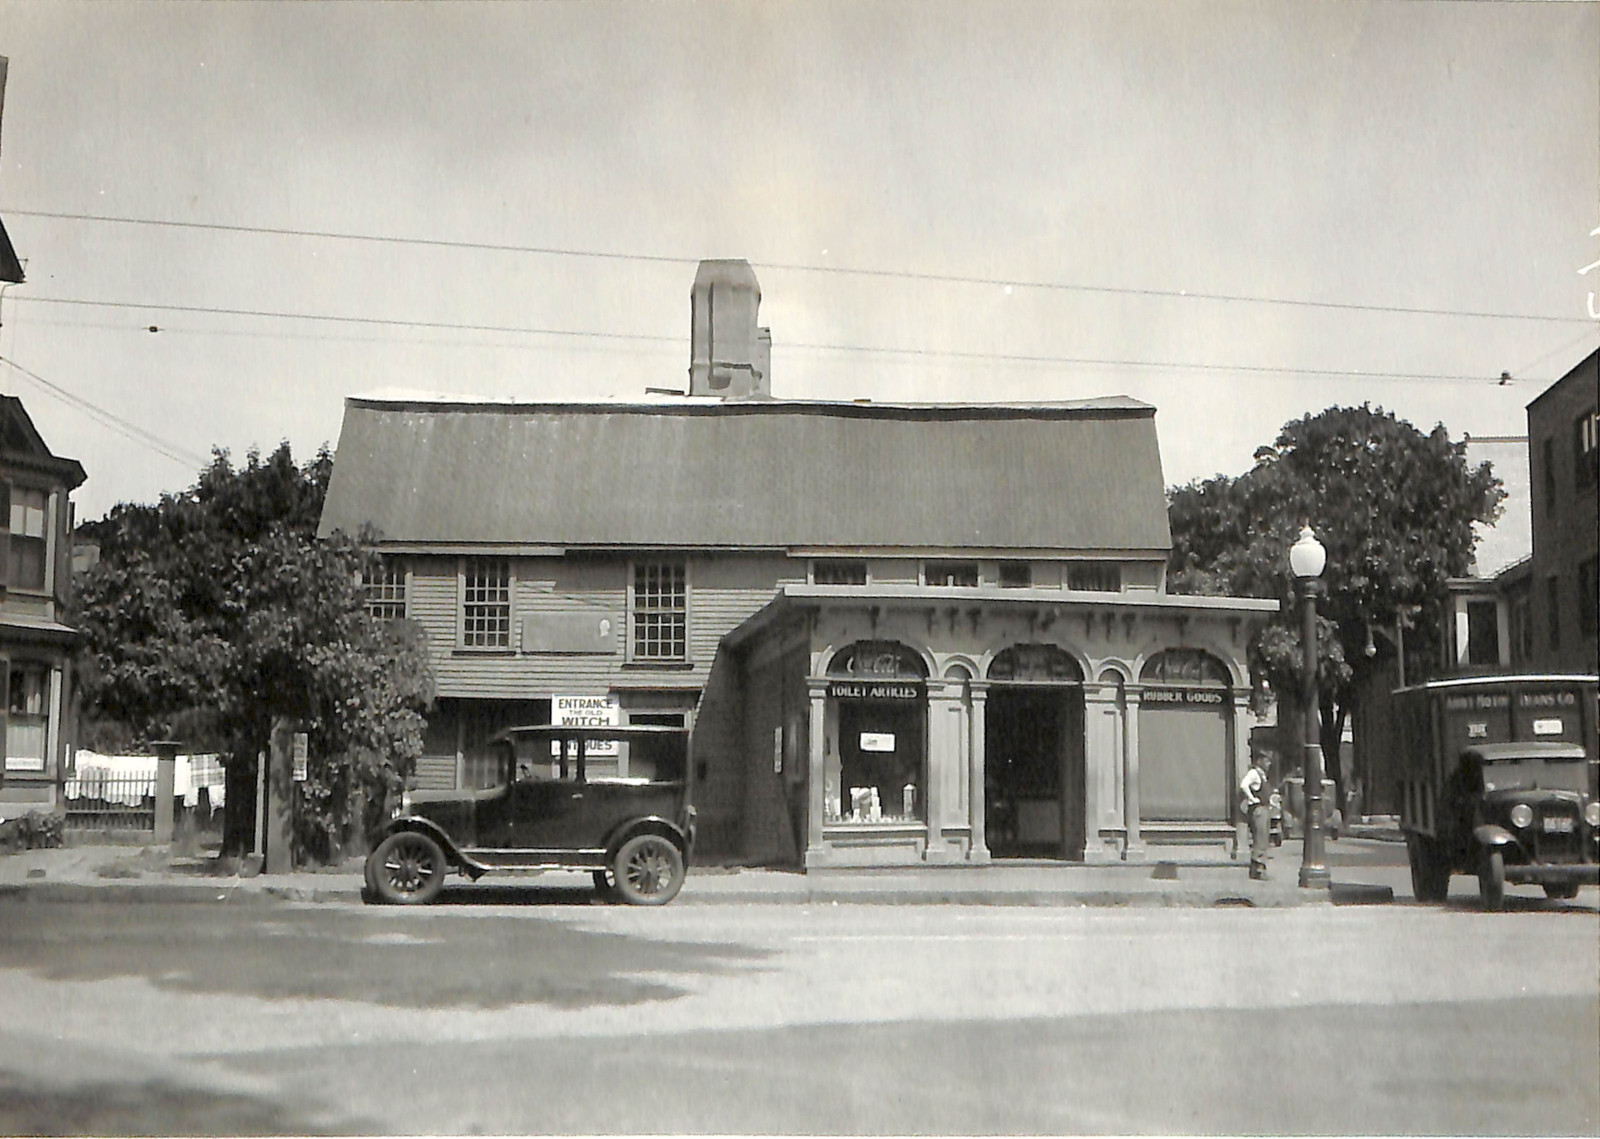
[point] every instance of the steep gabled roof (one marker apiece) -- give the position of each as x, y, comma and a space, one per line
763, 474
23, 447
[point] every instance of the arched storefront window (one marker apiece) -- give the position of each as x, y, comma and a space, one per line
876, 762
1035, 662
1185, 765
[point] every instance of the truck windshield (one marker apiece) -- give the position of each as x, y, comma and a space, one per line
1535, 775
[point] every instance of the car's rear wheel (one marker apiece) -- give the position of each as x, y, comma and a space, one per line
1492, 880
408, 869
648, 870
1561, 891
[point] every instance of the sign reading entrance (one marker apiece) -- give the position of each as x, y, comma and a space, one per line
587, 712
874, 690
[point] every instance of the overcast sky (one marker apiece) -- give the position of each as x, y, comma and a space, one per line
978, 201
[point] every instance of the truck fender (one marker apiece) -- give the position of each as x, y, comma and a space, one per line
652, 824
1488, 834
433, 831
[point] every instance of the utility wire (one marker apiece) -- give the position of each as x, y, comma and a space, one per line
138, 434
889, 274
926, 353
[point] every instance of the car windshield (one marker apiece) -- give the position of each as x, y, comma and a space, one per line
1534, 775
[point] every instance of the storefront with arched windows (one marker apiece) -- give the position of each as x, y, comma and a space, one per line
906, 730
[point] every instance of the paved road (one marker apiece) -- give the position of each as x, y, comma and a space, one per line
271, 1018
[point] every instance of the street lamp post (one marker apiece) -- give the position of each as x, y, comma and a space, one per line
1306, 559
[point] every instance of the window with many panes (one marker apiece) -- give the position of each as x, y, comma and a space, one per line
486, 604
30, 542
835, 572
1095, 577
28, 717
950, 573
660, 606
386, 591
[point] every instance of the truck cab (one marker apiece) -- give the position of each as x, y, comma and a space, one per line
1499, 779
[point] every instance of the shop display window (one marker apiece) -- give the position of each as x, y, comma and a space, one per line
876, 756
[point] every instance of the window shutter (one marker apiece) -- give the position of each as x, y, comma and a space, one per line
61, 542
5, 535
5, 705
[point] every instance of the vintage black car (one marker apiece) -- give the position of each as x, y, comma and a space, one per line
557, 804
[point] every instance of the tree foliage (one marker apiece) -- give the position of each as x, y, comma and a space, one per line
1394, 508
216, 610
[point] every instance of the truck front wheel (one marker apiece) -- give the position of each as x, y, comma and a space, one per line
1430, 873
1492, 880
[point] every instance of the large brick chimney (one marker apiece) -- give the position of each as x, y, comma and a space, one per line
729, 356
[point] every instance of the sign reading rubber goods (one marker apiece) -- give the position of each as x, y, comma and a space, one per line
1183, 696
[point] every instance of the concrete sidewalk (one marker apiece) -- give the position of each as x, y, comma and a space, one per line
156, 874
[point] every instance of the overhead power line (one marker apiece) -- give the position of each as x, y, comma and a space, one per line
122, 426
639, 337
795, 267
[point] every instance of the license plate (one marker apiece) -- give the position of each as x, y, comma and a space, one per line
1558, 824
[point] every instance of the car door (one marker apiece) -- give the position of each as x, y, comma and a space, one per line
548, 806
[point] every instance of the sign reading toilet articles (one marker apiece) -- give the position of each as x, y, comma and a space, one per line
587, 712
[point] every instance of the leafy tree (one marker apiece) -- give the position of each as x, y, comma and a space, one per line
218, 609
1393, 506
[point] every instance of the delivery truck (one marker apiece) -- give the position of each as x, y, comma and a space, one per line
1498, 777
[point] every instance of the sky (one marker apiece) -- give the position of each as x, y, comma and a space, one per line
233, 216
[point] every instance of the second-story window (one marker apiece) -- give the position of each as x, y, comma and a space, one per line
951, 573
386, 591
1016, 575
832, 571
1095, 577
660, 605
486, 604
1586, 450
29, 538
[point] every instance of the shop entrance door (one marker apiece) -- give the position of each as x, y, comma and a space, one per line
1033, 772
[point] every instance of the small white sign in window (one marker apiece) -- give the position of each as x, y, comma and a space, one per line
1547, 727
877, 741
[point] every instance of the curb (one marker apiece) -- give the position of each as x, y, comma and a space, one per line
172, 893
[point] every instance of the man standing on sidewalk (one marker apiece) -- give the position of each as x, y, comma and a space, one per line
1254, 802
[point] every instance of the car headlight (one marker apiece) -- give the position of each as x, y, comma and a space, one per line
1591, 813
1521, 815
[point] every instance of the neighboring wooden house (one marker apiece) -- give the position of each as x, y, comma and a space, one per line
35, 645
900, 632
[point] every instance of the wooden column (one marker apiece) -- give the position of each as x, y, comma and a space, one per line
816, 788
980, 842
1134, 850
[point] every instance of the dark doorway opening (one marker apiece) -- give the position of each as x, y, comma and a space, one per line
1033, 772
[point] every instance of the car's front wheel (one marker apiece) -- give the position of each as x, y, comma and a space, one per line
408, 869
648, 870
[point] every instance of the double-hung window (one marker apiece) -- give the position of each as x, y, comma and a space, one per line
486, 603
660, 611
29, 552
28, 717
